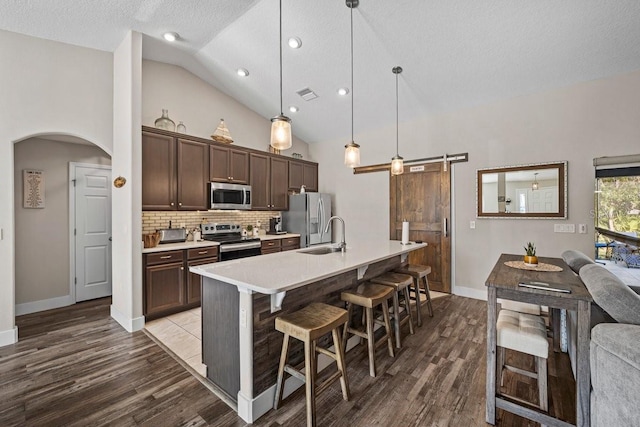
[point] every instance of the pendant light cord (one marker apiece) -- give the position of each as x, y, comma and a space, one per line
397, 121
351, 73
280, 40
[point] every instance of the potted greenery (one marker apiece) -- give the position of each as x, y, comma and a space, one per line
530, 259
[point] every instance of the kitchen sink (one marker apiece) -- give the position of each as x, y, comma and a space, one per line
320, 251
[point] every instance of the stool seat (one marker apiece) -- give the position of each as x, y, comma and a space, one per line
311, 322
419, 273
522, 332
308, 325
400, 283
368, 296
525, 333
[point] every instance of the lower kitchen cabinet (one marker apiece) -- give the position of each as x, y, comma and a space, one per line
168, 285
280, 245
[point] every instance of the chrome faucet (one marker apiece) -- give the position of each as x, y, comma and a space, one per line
342, 245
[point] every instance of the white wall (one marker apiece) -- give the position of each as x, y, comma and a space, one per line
201, 106
42, 235
576, 123
47, 88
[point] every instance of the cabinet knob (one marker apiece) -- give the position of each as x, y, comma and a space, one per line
229, 177
179, 204
181, 268
171, 204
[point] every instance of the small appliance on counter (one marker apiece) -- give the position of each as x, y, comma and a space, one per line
275, 226
173, 235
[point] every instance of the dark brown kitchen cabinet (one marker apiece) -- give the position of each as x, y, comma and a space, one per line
163, 282
175, 172
280, 245
270, 246
290, 243
303, 173
159, 173
269, 182
169, 286
228, 165
193, 171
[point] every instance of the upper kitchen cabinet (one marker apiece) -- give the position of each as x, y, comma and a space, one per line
303, 173
228, 165
269, 182
175, 172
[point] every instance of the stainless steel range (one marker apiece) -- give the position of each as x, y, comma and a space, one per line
232, 244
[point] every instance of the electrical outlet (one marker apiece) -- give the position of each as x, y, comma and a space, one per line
472, 224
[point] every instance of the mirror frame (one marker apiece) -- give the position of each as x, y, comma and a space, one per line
562, 191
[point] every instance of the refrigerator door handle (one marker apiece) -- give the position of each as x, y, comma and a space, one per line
320, 218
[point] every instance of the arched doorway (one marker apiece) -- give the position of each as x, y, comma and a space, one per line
44, 247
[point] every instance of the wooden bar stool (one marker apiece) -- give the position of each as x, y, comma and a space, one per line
369, 296
419, 274
527, 334
308, 325
400, 284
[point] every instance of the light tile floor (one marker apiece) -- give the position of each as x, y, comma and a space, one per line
182, 334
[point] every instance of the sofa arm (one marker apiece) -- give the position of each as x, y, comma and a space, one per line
615, 374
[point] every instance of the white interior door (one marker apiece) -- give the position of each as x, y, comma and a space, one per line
92, 232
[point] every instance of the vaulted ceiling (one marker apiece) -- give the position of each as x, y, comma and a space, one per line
455, 53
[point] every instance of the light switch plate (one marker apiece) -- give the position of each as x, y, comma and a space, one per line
472, 224
564, 228
582, 228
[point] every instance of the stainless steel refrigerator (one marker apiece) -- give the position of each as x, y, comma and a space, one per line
308, 215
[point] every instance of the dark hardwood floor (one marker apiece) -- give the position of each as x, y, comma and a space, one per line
77, 367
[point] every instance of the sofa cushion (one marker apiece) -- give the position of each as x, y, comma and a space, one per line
576, 260
615, 375
611, 294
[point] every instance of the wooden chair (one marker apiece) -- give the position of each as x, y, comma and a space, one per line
369, 296
400, 284
308, 325
419, 274
525, 333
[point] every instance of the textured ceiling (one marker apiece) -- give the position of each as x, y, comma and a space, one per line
455, 53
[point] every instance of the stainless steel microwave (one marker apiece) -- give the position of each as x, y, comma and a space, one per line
230, 196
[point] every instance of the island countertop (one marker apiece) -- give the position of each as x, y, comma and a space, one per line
284, 271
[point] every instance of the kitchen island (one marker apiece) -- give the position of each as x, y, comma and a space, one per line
241, 299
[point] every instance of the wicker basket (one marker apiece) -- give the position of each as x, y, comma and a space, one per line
151, 240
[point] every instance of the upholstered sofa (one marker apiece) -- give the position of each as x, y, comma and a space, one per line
615, 349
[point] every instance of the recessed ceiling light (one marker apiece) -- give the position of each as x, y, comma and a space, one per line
242, 72
295, 42
343, 91
293, 109
170, 37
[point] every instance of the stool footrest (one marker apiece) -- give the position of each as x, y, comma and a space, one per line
326, 383
521, 371
294, 373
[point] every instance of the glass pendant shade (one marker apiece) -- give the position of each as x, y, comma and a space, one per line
534, 185
281, 132
397, 165
352, 155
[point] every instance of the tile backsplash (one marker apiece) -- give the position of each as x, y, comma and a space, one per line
155, 220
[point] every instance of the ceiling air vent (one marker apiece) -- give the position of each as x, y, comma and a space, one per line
307, 94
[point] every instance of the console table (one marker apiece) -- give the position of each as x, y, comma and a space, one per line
503, 283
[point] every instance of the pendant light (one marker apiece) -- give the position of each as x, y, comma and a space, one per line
281, 124
534, 185
397, 166
352, 150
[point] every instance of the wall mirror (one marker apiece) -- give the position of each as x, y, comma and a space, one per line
525, 191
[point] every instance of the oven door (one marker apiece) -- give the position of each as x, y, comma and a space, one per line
239, 250
230, 196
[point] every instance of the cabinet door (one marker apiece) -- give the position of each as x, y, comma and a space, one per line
158, 172
260, 183
164, 287
310, 176
194, 281
296, 177
219, 164
279, 184
193, 175
239, 166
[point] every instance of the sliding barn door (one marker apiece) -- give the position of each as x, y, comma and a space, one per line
422, 196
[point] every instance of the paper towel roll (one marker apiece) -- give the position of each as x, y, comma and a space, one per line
405, 232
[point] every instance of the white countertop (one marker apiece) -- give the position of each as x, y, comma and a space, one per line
204, 243
179, 246
277, 236
283, 271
